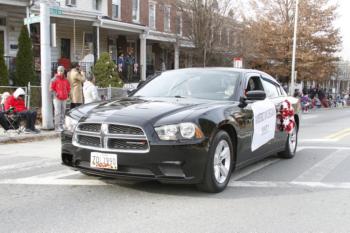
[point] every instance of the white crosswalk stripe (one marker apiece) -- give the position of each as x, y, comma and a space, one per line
55, 175
60, 175
28, 165
321, 169
294, 184
44, 181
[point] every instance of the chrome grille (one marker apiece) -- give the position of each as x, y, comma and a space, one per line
124, 129
89, 140
90, 127
126, 144
111, 137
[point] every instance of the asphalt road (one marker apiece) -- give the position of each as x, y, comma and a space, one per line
310, 193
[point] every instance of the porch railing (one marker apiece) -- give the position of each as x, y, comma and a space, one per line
33, 94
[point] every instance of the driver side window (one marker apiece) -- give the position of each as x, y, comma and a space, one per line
254, 84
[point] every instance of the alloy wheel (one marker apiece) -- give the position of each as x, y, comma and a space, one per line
222, 161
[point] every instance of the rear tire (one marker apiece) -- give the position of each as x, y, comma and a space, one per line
291, 145
219, 166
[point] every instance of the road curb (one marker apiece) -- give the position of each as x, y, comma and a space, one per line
29, 137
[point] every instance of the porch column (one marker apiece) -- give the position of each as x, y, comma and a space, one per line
143, 50
74, 42
176, 55
98, 41
95, 42
45, 59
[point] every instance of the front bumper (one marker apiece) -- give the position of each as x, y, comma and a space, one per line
165, 163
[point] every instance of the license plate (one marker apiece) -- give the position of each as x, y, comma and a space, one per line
103, 160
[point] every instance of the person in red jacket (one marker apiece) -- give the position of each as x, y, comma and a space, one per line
60, 88
16, 103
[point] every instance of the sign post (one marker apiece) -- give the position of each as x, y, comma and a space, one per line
56, 11
237, 62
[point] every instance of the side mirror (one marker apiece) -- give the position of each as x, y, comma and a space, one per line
251, 96
256, 95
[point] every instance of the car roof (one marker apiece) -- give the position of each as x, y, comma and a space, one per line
240, 70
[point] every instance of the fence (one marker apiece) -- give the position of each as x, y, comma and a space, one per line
111, 93
33, 94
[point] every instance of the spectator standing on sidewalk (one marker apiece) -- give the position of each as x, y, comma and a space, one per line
322, 97
90, 90
346, 99
121, 66
129, 62
60, 88
76, 78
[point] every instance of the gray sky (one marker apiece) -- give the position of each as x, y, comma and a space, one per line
343, 23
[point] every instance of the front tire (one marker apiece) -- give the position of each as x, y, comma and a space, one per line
219, 166
291, 145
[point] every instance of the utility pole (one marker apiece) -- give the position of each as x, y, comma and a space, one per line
292, 79
46, 108
143, 65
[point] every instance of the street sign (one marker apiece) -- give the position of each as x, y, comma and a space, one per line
56, 11
31, 20
237, 62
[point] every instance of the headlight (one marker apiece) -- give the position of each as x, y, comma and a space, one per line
179, 131
70, 123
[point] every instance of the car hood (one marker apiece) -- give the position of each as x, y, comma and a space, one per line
137, 111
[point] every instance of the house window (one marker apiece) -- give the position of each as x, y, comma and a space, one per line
116, 9
136, 10
97, 4
65, 48
179, 24
71, 2
2, 21
167, 10
152, 14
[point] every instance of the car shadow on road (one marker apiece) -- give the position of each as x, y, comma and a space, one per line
157, 188
233, 191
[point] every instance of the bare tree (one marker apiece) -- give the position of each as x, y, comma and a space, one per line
205, 18
270, 31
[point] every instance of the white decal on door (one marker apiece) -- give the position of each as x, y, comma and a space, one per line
264, 113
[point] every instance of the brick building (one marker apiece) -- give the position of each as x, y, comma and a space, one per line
162, 30
154, 30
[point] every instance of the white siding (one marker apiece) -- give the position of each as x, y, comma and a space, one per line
87, 5
65, 30
14, 22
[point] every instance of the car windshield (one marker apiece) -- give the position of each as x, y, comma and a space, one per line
202, 84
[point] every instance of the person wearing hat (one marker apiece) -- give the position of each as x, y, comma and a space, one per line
16, 104
60, 88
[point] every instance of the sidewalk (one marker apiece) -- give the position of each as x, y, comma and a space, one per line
12, 136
